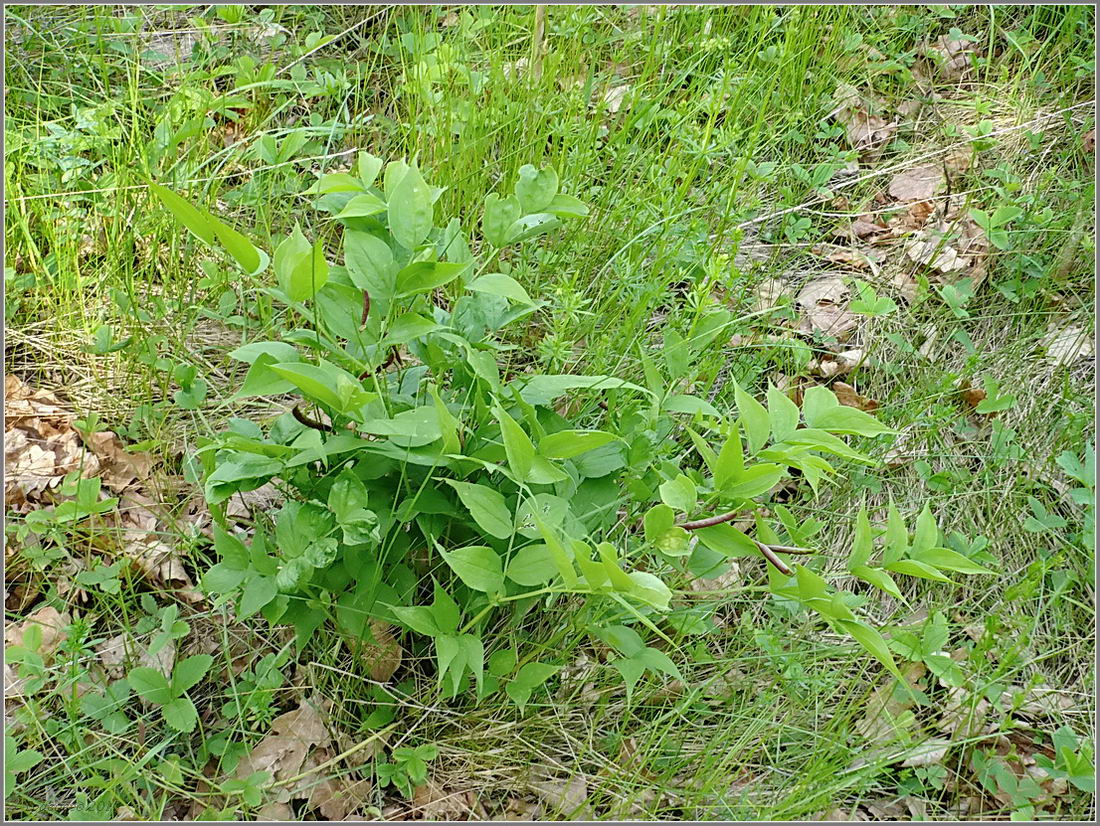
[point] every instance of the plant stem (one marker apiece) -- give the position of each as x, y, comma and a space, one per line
710, 521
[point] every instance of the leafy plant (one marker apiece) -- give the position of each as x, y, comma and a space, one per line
434, 484
409, 767
171, 694
17, 761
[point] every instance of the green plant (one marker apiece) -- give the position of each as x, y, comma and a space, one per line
17, 761
1073, 760
408, 768
171, 694
457, 476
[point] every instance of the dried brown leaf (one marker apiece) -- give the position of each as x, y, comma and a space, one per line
888, 711
917, 184
119, 467
613, 97
944, 59
120, 653
49, 621
1065, 345
929, 753
567, 797
867, 226
823, 303
847, 395
432, 802
384, 653
866, 131
283, 752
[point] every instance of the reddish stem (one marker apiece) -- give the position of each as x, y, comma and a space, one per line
769, 555
710, 521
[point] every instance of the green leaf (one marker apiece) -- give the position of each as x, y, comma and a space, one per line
844, 419
658, 521
949, 560
500, 214
679, 494
705, 450
335, 182
371, 267
325, 383
674, 542
873, 642
565, 444
756, 479
896, 540
567, 206
926, 533
631, 669
242, 250
650, 590
496, 283
478, 566
536, 188
782, 413
362, 206
445, 610
529, 677
258, 592
300, 267
503, 662
912, 567
816, 401
261, 380
150, 685
877, 577
754, 417
417, 617
690, 404
425, 276
180, 714
410, 209
517, 445
532, 566
486, 506
544, 389
473, 655
197, 221
368, 168
727, 540
17, 762
861, 541
189, 671
731, 460
408, 327
657, 660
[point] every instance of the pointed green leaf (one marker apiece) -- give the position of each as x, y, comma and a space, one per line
486, 506
754, 417
478, 566
410, 209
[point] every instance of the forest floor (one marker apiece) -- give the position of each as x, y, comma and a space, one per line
896, 202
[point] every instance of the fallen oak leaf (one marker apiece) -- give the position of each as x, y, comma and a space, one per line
119, 467
1065, 345
823, 303
920, 183
51, 625
847, 395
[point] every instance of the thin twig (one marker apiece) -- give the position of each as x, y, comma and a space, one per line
710, 521
769, 555
308, 422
